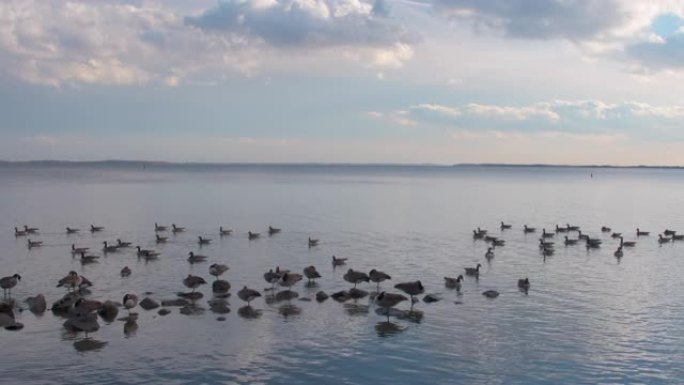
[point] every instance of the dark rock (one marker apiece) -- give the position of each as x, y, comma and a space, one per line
15, 326
149, 304
357, 293
321, 296
220, 286
430, 298
192, 296
163, 311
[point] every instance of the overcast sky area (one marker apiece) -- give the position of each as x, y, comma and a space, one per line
353, 81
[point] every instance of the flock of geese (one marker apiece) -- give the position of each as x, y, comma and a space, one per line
81, 313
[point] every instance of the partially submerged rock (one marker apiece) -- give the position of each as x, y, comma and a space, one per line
149, 304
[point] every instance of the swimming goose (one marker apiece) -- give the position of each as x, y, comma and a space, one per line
273, 230
627, 244
453, 283
30, 230
489, 254
473, 271
338, 261
605, 229
78, 250
668, 232
571, 228
32, 244
71, 281
7, 283
251, 235
544, 245
547, 235
561, 229
119, 243
389, 300
310, 273
248, 295
378, 276
289, 279
70, 230
479, 230
582, 236
129, 302
313, 242
203, 241
193, 281
126, 271
505, 226
616, 235
109, 248
143, 252
195, 258
498, 242
524, 284
95, 229
87, 259
161, 239
412, 288
177, 229
158, 228
477, 235
223, 231
570, 242
19, 233
642, 233
618, 253
355, 277
676, 237
662, 239
528, 229
217, 269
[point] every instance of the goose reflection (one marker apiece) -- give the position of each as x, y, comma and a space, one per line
130, 328
388, 329
289, 310
248, 312
88, 345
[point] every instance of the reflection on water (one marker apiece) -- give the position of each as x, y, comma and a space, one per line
586, 319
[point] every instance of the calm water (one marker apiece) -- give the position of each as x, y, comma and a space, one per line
587, 319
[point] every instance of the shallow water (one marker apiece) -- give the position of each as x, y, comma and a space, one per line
587, 318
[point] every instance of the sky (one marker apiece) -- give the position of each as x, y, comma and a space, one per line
343, 81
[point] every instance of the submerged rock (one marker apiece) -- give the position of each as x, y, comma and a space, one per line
491, 293
321, 296
192, 296
37, 304
430, 298
357, 293
175, 302
220, 286
149, 304
341, 296
163, 311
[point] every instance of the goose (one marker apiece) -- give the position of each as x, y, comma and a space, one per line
248, 295
311, 273
547, 235
642, 233
195, 258
193, 281
32, 244
125, 271
119, 243
481, 231
489, 254
30, 230
561, 229
582, 236
593, 245
129, 302
389, 300
528, 229
7, 283
505, 226
87, 259
78, 250
143, 252
272, 277
627, 244
616, 235
570, 242
618, 253
412, 288
547, 252
355, 277
543, 245
668, 232
662, 239
177, 229
273, 230
203, 241
109, 248
477, 235
70, 230
491, 293
571, 228
251, 235
289, 279
19, 233
223, 231
71, 281
338, 261
524, 283
473, 271
453, 283
158, 228
378, 276
498, 242
676, 237
217, 269
313, 242
95, 229
161, 239
605, 229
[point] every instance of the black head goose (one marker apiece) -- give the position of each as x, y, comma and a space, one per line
524, 283
88, 259
71, 230
570, 242
32, 244
547, 235
662, 239
389, 300
196, 258
618, 253
177, 229
561, 229
7, 283
527, 229
251, 235
126, 271
616, 235
289, 279
129, 302
473, 271
203, 241
273, 230
605, 229
158, 228
477, 235
582, 236
627, 244
310, 273
571, 228
543, 244
313, 242
640, 233
378, 276
271, 277
355, 277
30, 230
453, 283
223, 231
78, 250
669, 232
160, 239
19, 233
95, 229
193, 281
505, 226
120, 243
109, 248
481, 231
71, 281
217, 269
489, 254
338, 261
412, 288
248, 295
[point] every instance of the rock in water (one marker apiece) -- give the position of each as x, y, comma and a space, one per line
175, 302
37, 304
149, 304
220, 286
163, 311
430, 298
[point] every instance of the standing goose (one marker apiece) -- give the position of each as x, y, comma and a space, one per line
78, 250
412, 288
310, 273
176, 229
196, 258
71, 230
193, 281
203, 241
289, 279
71, 281
19, 233
32, 244
505, 226
272, 277
95, 229
378, 276
640, 233
338, 261
389, 300
217, 269
627, 244
355, 277
248, 295
158, 228
453, 283
273, 230
251, 235
7, 283
473, 271
223, 231
129, 302
528, 229
30, 230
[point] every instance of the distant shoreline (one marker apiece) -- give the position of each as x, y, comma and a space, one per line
139, 163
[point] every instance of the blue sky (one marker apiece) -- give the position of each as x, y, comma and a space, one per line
430, 81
